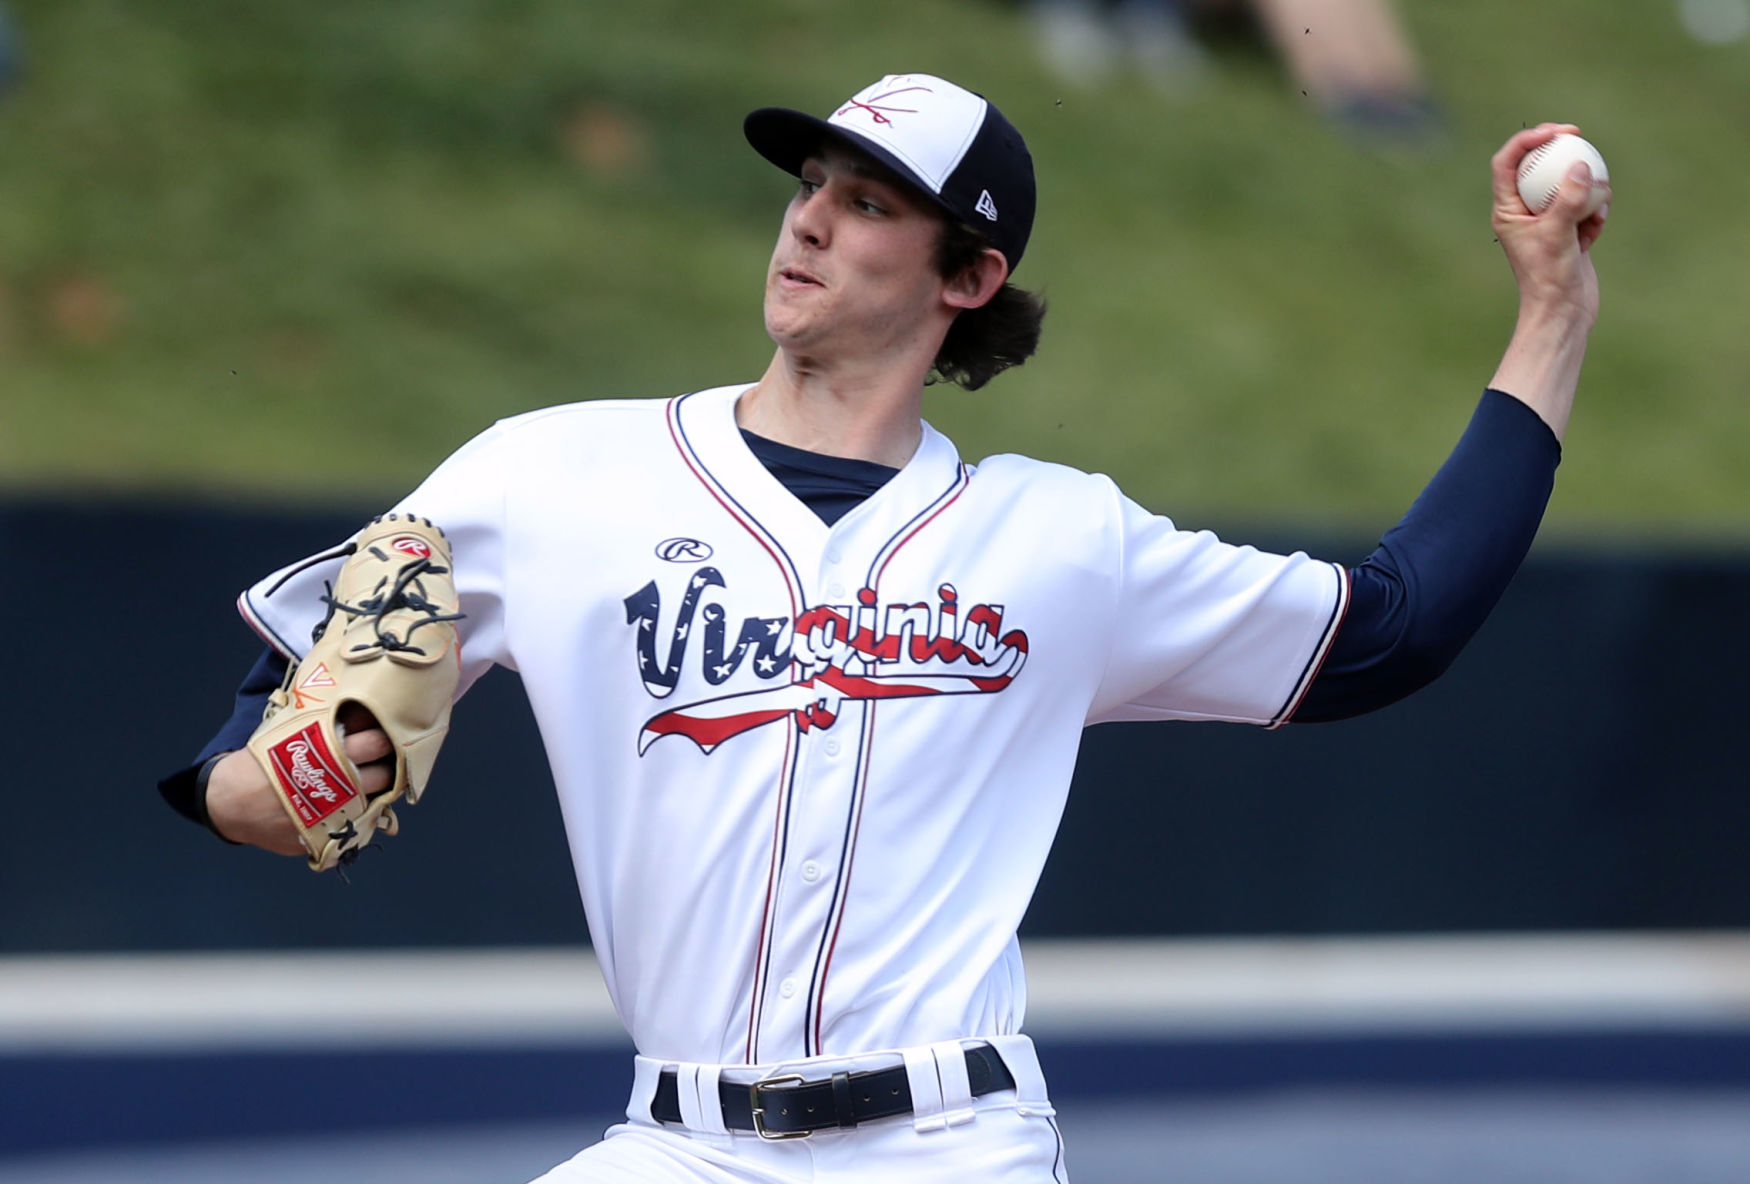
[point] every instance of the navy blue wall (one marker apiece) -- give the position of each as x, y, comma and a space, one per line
1579, 768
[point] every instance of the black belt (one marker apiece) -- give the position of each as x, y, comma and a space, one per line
789, 1106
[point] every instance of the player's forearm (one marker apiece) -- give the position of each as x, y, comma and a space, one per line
1541, 367
1439, 572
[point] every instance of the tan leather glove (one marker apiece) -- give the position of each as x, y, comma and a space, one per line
389, 645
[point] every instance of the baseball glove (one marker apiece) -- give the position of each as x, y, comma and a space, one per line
388, 645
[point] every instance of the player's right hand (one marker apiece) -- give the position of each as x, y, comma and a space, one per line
1550, 253
245, 808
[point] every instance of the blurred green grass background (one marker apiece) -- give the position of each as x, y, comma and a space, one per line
251, 249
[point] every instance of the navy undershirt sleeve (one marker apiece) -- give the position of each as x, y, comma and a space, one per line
1438, 573
182, 789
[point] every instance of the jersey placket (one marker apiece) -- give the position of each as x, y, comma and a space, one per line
811, 879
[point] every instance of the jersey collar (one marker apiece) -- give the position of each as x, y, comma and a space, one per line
705, 430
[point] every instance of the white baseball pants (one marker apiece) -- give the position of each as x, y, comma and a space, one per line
1005, 1137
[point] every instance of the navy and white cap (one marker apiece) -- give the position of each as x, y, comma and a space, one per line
953, 145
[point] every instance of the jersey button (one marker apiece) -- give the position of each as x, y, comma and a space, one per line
832, 748
787, 988
811, 871
835, 589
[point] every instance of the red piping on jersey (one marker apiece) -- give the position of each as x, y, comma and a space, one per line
751, 525
963, 483
747, 522
1337, 618
758, 985
247, 612
845, 889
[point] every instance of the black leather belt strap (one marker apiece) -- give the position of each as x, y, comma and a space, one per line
791, 1108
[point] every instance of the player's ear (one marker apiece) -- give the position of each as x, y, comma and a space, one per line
978, 281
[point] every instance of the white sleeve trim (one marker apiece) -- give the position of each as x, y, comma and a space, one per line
256, 622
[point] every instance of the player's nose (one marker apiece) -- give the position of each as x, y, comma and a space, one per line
811, 218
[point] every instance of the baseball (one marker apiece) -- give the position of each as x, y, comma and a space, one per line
1544, 167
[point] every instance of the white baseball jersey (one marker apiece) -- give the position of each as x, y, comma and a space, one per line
810, 775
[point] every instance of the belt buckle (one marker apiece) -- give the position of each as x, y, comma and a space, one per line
753, 1093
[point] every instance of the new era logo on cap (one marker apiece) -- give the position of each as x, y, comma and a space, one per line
951, 143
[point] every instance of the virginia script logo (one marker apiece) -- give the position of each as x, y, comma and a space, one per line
831, 654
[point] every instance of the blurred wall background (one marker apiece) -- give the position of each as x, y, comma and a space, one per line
263, 266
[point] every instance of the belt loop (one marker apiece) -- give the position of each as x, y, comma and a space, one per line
645, 1073
1023, 1062
710, 1101
843, 1109
956, 1089
687, 1086
701, 1111
926, 1090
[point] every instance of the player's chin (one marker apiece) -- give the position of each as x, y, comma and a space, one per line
788, 320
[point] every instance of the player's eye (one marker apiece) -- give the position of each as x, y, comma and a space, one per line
870, 207
808, 188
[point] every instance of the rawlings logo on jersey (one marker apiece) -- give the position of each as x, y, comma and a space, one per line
683, 550
834, 653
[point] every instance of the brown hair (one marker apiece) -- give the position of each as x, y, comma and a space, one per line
983, 342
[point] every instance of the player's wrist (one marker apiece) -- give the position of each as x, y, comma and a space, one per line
1556, 323
202, 786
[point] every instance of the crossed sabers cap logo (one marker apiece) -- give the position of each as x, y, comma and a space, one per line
879, 106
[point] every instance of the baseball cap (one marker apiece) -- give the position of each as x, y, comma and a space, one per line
950, 143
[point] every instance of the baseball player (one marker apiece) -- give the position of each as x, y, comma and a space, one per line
811, 685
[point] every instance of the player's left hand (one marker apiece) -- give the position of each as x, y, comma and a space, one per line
245, 809
1550, 252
